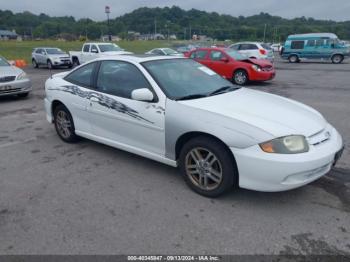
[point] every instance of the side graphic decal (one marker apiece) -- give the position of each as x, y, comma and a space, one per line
103, 100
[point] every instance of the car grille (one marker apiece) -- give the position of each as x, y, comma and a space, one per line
320, 137
5, 79
9, 91
267, 68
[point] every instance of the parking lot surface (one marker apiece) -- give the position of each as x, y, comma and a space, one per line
87, 198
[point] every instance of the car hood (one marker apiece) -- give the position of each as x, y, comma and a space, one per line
10, 71
115, 53
275, 115
58, 56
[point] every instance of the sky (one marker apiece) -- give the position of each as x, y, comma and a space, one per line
338, 10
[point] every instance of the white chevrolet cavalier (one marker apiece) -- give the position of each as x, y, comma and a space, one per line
178, 112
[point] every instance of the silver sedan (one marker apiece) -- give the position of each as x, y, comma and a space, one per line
13, 80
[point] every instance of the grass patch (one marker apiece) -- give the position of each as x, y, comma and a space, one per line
23, 50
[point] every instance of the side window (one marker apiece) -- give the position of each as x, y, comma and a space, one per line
248, 47
319, 42
82, 76
297, 44
38, 51
86, 48
311, 43
120, 78
216, 55
200, 54
235, 47
157, 52
94, 49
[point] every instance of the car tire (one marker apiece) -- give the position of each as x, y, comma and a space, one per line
64, 124
293, 59
337, 59
49, 64
240, 77
75, 61
35, 64
208, 167
23, 95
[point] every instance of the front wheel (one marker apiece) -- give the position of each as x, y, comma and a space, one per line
240, 77
23, 95
207, 167
49, 64
35, 64
337, 59
64, 124
293, 59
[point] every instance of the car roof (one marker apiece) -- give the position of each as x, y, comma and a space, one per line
46, 47
329, 35
138, 58
99, 43
254, 43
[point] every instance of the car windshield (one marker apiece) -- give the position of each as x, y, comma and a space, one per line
54, 51
3, 62
109, 48
186, 79
169, 51
236, 55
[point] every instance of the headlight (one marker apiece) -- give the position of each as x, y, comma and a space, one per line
286, 145
22, 76
256, 68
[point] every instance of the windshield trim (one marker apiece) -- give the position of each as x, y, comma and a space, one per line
5, 61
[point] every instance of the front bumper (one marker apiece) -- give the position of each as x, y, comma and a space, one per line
15, 87
62, 63
265, 172
262, 76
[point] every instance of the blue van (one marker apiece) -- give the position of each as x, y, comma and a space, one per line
314, 46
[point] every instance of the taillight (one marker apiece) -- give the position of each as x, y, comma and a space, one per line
262, 51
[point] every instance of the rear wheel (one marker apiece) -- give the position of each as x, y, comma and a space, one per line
35, 64
337, 59
293, 59
64, 124
207, 166
240, 77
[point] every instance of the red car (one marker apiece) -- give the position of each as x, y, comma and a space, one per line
234, 66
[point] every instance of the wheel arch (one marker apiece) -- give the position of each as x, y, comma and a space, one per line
184, 138
54, 104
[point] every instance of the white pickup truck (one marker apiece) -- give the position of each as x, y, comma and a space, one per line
92, 51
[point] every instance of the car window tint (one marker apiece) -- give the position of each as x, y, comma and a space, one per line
157, 52
319, 42
200, 54
120, 78
248, 47
82, 76
216, 55
297, 44
86, 48
38, 51
235, 47
311, 43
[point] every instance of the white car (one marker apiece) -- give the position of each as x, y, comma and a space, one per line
164, 52
276, 47
254, 50
91, 51
181, 113
13, 80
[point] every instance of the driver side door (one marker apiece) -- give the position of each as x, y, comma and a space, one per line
120, 121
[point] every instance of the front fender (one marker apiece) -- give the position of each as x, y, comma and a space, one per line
181, 119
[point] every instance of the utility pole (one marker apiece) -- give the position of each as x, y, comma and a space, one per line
190, 33
108, 11
265, 33
185, 33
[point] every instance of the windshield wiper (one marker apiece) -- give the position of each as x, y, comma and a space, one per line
189, 97
223, 89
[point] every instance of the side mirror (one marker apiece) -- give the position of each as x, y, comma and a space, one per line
94, 51
142, 94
